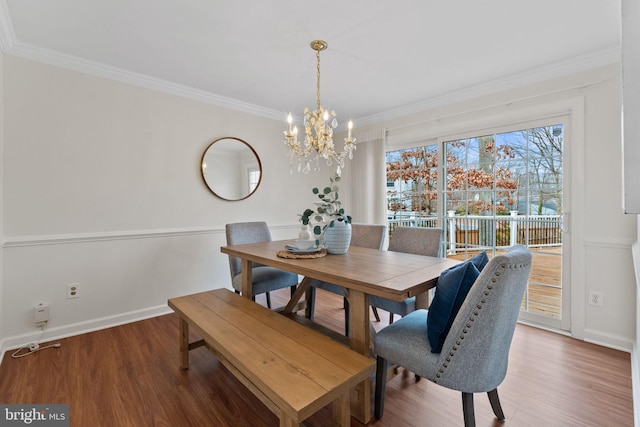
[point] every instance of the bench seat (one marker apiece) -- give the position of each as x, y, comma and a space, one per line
293, 370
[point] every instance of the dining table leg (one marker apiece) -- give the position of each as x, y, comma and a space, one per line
423, 300
360, 341
301, 289
247, 278
184, 344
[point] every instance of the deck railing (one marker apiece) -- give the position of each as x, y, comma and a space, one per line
479, 232
413, 221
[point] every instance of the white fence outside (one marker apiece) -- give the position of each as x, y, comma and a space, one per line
482, 232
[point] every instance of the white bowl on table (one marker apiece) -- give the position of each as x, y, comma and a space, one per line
305, 244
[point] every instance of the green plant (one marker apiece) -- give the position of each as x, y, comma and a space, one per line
327, 211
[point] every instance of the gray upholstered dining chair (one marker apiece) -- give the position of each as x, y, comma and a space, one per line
265, 279
413, 240
474, 351
363, 235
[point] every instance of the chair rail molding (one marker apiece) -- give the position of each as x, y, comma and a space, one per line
59, 239
20, 241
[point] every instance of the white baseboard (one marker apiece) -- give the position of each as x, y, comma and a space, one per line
591, 336
65, 331
608, 340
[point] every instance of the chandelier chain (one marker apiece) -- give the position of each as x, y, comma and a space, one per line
318, 81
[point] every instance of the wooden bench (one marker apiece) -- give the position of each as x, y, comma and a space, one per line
293, 370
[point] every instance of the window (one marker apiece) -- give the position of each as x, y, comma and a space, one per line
412, 187
254, 179
509, 174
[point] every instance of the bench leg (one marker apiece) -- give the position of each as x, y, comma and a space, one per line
287, 421
184, 344
342, 411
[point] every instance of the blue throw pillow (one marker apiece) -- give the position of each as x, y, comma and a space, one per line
480, 260
451, 290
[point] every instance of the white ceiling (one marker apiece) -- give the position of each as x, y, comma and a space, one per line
384, 58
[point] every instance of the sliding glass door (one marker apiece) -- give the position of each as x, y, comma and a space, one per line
489, 192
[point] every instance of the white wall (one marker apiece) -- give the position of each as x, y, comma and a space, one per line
631, 155
1, 198
631, 103
601, 235
102, 187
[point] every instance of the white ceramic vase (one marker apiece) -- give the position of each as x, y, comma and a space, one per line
338, 238
305, 233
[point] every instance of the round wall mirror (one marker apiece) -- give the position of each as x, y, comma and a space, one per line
231, 169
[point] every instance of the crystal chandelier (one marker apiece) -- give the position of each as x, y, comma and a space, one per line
318, 133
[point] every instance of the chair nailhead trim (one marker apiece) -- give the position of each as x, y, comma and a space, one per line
472, 318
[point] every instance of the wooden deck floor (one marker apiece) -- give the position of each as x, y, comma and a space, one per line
544, 293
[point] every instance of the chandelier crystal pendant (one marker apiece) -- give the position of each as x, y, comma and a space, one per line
318, 133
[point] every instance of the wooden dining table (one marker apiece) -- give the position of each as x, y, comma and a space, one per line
360, 272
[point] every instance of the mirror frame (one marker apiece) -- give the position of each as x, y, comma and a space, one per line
203, 164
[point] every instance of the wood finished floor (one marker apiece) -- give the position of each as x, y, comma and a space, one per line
129, 376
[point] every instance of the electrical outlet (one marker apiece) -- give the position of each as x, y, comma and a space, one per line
596, 299
72, 290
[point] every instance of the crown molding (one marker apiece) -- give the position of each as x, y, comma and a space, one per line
7, 34
10, 45
573, 65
